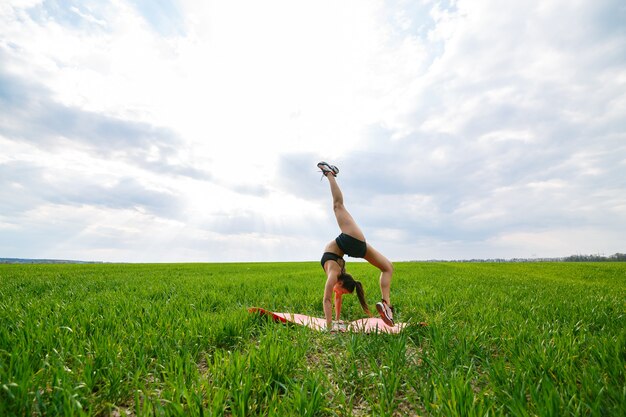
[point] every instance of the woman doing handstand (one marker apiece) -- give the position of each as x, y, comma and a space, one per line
350, 242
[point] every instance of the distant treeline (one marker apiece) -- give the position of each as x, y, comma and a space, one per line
617, 257
43, 261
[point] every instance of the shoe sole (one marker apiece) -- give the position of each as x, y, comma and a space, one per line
383, 315
326, 168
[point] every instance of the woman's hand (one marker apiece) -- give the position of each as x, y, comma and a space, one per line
339, 326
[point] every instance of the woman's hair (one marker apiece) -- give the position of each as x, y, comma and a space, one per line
350, 284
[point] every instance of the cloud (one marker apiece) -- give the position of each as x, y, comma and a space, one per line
164, 15
26, 187
295, 173
29, 113
445, 189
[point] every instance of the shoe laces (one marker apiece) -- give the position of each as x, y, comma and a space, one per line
326, 172
387, 305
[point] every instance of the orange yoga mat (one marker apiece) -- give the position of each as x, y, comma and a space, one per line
367, 325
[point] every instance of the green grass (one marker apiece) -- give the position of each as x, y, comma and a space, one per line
543, 339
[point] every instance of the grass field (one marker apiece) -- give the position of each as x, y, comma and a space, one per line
503, 339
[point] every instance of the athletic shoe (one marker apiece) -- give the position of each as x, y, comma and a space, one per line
386, 312
327, 168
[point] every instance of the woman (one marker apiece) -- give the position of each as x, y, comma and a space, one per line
350, 242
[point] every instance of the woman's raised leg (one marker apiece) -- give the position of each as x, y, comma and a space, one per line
345, 221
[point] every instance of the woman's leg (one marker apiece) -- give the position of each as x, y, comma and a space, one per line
386, 270
344, 219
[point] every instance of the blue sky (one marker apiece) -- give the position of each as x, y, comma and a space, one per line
175, 131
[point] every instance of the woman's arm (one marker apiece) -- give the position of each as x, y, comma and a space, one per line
338, 300
328, 303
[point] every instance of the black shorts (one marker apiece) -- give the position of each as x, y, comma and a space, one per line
351, 246
329, 256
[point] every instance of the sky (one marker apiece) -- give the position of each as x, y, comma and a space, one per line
190, 130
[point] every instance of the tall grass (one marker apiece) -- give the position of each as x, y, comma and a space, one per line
503, 339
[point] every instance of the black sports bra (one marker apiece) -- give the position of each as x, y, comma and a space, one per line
329, 256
